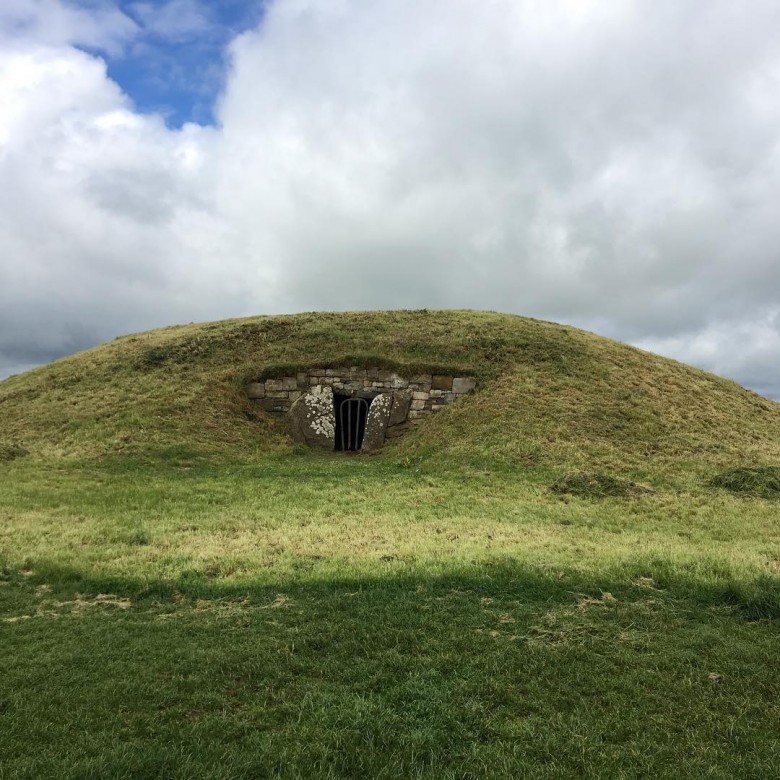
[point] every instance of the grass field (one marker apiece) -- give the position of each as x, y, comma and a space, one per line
186, 594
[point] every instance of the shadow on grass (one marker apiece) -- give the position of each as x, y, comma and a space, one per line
755, 599
489, 671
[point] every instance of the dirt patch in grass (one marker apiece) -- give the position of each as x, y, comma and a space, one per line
588, 484
750, 481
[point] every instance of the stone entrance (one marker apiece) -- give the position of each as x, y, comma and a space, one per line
351, 414
377, 404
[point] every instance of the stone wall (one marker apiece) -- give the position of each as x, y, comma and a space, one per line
430, 392
409, 399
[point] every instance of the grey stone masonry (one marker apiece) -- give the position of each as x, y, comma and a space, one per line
409, 398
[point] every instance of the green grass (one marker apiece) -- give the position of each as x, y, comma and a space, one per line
185, 594
757, 481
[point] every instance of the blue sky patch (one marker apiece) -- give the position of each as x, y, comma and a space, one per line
175, 64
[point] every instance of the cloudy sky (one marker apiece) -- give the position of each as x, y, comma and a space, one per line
613, 165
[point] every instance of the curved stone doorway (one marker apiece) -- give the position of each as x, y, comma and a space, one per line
310, 399
351, 415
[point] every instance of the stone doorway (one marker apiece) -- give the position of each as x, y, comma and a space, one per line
351, 415
312, 399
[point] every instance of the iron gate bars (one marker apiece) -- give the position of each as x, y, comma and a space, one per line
352, 422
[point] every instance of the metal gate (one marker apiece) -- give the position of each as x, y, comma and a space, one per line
352, 423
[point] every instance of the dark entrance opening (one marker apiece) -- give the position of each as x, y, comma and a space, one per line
351, 416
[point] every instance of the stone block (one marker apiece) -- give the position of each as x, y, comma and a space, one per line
273, 385
436, 393
415, 406
316, 372
402, 400
376, 422
357, 373
313, 420
422, 379
384, 376
420, 396
463, 384
439, 382
274, 404
256, 390
278, 394
372, 373
398, 382
289, 383
394, 431
302, 380
333, 372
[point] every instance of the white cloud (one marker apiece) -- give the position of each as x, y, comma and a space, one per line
25, 23
613, 165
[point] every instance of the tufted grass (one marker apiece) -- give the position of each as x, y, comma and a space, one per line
185, 594
758, 481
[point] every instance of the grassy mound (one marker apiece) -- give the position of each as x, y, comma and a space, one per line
547, 395
756, 481
585, 484
184, 593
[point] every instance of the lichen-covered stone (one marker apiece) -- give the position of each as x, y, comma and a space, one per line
376, 422
313, 420
399, 411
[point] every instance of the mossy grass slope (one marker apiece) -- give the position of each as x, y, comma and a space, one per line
185, 593
547, 393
